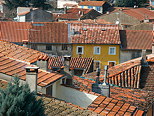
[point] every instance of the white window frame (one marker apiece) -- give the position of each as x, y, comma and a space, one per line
111, 61
110, 51
77, 50
95, 47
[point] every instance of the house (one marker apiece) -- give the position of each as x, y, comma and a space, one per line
100, 6
51, 38
78, 65
36, 15
78, 14
133, 42
129, 16
53, 84
23, 62
100, 42
131, 81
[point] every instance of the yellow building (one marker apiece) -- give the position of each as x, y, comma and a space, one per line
102, 54
97, 42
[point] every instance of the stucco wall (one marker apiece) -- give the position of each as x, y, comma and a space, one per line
56, 49
74, 96
103, 57
126, 55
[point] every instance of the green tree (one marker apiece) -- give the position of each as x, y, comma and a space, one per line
17, 100
124, 3
27, 3
130, 3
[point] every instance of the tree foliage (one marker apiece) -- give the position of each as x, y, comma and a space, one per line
27, 3
129, 3
17, 100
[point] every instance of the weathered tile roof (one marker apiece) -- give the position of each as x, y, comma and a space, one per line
13, 67
136, 39
21, 53
57, 107
90, 21
14, 31
139, 13
139, 98
75, 62
76, 13
126, 74
93, 33
40, 32
92, 3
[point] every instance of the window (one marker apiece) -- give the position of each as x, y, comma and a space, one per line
98, 8
97, 50
64, 47
79, 49
96, 65
48, 47
112, 50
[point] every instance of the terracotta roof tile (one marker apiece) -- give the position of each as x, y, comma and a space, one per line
140, 13
128, 97
55, 106
73, 13
21, 53
92, 3
93, 33
23, 13
136, 39
75, 62
17, 68
40, 32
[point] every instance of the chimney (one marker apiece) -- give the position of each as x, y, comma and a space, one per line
101, 88
67, 71
43, 64
31, 77
25, 43
144, 58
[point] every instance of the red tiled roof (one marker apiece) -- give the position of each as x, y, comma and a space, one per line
40, 32
13, 67
75, 62
112, 107
23, 13
90, 21
21, 53
136, 39
136, 97
14, 31
70, 5
140, 13
93, 33
73, 13
126, 74
92, 3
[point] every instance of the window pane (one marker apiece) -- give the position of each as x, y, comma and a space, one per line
48, 47
64, 47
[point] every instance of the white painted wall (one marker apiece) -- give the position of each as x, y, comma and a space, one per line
60, 3
21, 18
74, 96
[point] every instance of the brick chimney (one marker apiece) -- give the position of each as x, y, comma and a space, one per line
101, 88
31, 77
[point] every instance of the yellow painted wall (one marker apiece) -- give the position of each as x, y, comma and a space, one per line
103, 57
